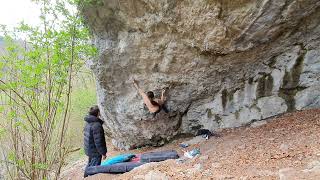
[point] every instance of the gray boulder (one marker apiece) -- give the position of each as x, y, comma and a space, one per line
227, 63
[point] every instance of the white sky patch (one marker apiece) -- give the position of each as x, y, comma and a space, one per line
12, 12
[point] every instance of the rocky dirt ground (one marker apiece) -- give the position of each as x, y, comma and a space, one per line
285, 147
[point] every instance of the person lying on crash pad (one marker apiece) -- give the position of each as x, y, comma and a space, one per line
154, 105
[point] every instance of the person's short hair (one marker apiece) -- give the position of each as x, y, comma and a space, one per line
94, 110
150, 94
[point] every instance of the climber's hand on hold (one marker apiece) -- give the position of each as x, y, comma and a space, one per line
134, 81
163, 98
163, 90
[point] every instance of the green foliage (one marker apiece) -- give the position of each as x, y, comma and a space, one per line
36, 86
11, 156
40, 166
2, 132
83, 97
82, 3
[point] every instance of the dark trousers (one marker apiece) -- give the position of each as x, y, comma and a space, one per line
93, 161
163, 107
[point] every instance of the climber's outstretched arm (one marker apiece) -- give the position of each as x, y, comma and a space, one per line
141, 92
163, 98
143, 95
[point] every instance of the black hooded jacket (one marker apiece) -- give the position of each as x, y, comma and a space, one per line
94, 140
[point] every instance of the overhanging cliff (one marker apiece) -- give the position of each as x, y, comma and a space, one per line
227, 63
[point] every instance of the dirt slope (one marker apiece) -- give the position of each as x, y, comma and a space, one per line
287, 147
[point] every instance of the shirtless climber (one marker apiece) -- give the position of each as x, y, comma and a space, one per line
154, 105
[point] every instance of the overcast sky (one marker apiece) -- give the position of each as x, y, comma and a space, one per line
14, 11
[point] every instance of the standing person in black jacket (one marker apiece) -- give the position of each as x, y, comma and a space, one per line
94, 140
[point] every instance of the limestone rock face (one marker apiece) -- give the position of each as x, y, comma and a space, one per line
227, 63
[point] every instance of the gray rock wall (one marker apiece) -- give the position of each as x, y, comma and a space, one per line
227, 63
